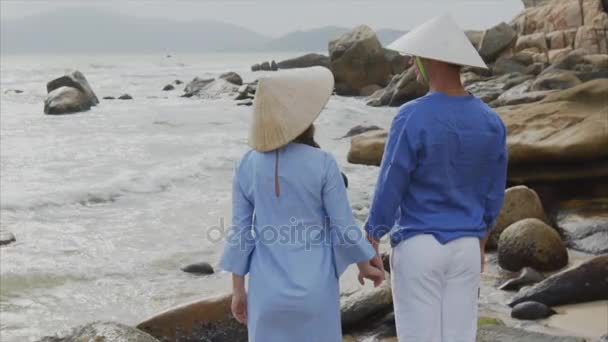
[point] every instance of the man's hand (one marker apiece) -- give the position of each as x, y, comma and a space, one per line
377, 260
482, 251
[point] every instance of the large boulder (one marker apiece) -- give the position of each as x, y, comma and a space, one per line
531, 243
306, 61
365, 303
520, 203
584, 283
490, 89
401, 89
6, 237
520, 94
367, 148
496, 40
196, 84
101, 332
561, 137
204, 320
358, 60
549, 16
399, 63
75, 79
66, 100
537, 41
584, 224
232, 77
210, 89
556, 80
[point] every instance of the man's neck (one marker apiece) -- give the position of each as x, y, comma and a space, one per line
449, 84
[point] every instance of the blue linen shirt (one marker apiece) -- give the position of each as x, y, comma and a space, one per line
443, 171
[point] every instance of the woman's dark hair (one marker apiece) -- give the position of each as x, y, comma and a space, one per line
308, 138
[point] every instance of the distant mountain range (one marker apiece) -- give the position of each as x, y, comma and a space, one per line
83, 30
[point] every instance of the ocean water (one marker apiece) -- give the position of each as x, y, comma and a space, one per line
108, 205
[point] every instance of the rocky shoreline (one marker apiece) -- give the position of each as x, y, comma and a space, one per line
548, 80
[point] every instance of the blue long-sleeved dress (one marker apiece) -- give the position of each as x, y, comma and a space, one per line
294, 246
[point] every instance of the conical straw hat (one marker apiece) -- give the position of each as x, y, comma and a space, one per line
441, 39
286, 104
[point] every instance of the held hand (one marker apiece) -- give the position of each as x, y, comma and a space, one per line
367, 271
239, 306
482, 252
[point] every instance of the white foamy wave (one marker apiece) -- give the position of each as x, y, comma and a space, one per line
154, 181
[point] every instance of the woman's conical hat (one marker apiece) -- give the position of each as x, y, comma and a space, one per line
286, 104
440, 39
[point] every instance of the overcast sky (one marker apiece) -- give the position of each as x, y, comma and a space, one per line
276, 17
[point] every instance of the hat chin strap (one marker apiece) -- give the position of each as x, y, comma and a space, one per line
422, 70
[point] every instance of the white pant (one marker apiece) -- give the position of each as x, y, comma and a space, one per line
435, 289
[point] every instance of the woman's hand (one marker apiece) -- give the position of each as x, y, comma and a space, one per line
239, 305
367, 271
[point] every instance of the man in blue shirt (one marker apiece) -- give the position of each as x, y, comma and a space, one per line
440, 188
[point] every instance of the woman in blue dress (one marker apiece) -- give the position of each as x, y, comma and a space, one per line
292, 227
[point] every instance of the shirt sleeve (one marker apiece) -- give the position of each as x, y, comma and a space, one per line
496, 193
240, 241
348, 242
398, 162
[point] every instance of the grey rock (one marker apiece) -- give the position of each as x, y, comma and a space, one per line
125, 97
103, 331
358, 60
498, 333
305, 61
531, 311
178, 82
15, 91
66, 100
196, 85
245, 103
212, 90
584, 283
232, 77
507, 65
496, 40
399, 63
360, 129
490, 89
534, 69
531, 243
556, 80
401, 89
201, 268
109, 98
168, 87
6, 237
527, 276
76, 80
265, 66
256, 67
585, 226
274, 66
364, 303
